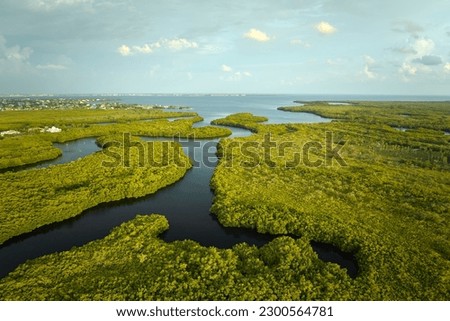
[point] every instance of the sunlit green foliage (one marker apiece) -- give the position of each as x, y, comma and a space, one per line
37, 197
133, 264
155, 128
241, 120
431, 115
21, 150
34, 146
33, 198
390, 204
31, 119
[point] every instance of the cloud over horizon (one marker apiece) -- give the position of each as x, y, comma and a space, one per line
14, 59
232, 75
447, 67
14, 53
368, 67
53, 67
325, 28
148, 48
257, 35
226, 68
423, 46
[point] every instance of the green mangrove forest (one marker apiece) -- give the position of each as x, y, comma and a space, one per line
375, 182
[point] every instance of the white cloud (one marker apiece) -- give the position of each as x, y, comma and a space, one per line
13, 59
257, 35
408, 70
419, 59
423, 47
53, 67
178, 44
148, 48
238, 75
226, 68
145, 49
15, 53
232, 75
369, 73
124, 50
368, 67
419, 48
447, 68
325, 28
298, 42
369, 60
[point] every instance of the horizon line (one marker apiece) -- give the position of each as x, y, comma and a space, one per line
109, 94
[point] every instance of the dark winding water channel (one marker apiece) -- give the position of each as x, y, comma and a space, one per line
186, 205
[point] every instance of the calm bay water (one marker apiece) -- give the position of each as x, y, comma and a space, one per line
213, 107
185, 203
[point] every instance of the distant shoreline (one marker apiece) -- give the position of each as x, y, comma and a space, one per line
295, 97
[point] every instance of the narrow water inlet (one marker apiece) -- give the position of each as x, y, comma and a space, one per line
330, 253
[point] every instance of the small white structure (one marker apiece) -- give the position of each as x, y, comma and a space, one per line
53, 129
9, 132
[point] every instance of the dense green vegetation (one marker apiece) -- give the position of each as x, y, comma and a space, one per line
34, 146
356, 182
30, 120
430, 115
133, 264
241, 120
21, 150
33, 198
389, 202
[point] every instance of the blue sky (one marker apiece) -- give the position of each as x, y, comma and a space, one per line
199, 46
